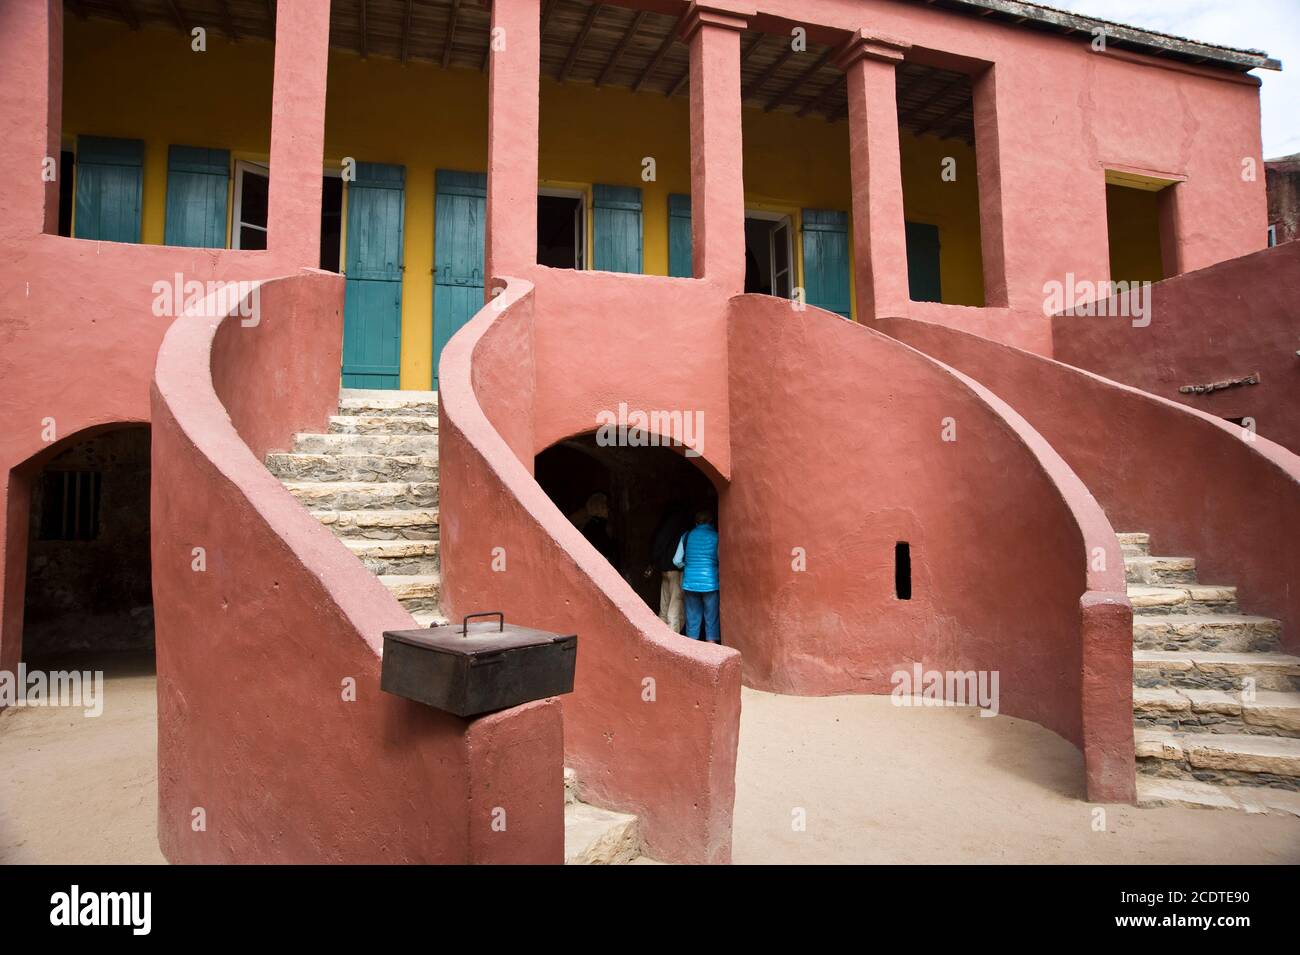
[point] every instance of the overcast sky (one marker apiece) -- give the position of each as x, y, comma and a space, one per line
1270, 25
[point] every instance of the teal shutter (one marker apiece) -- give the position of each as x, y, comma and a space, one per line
110, 177
459, 211
196, 197
616, 221
679, 237
372, 311
923, 262
826, 260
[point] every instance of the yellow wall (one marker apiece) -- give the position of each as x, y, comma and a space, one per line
426, 118
1133, 224
952, 206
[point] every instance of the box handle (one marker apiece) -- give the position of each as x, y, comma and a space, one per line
464, 625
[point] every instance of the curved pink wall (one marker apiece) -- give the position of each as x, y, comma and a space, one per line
837, 449
253, 651
670, 758
1229, 320
1187, 478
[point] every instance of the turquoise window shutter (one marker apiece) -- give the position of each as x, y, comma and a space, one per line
110, 177
459, 211
616, 221
923, 262
372, 309
826, 260
679, 237
197, 182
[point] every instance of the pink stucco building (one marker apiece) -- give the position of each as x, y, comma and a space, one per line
835, 233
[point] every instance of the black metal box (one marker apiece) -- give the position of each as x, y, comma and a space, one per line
477, 668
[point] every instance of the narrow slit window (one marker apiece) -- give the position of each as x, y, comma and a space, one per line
903, 570
70, 505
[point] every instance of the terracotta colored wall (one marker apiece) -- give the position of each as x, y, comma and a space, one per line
1233, 319
844, 459
1185, 477
666, 749
261, 642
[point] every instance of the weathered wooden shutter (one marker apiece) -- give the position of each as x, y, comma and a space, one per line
372, 313
459, 210
616, 215
826, 260
197, 185
923, 262
110, 176
679, 237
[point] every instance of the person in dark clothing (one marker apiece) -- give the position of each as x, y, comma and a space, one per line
593, 521
677, 520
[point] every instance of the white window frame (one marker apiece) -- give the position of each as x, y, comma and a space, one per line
236, 224
582, 256
1272, 236
781, 220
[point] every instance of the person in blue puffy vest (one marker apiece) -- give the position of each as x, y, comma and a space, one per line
697, 555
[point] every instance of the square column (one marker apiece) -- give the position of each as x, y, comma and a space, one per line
31, 74
879, 239
302, 35
717, 164
514, 64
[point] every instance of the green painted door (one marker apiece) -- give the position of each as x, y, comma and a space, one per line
923, 262
826, 260
197, 184
616, 222
110, 175
372, 311
679, 237
459, 211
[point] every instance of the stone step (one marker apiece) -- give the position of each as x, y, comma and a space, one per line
430, 618
1212, 670
387, 444
353, 467
396, 556
371, 401
421, 524
414, 591
384, 424
1225, 632
1182, 598
1191, 794
1134, 544
1220, 758
594, 836
1269, 712
1146, 569
364, 495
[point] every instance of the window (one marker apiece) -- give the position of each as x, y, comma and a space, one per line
561, 220
67, 160
331, 222
769, 254
70, 505
903, 570
1272, 236
248, 230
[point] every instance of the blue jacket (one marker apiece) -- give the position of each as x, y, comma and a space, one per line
697, 555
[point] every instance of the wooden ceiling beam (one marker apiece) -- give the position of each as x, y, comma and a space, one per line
406, 32
229, 21
820, 99
757, 83
621, 48
451, 34
361, 29
659, 54
948, 114
578, 42
181, 23
128, 14
798, 81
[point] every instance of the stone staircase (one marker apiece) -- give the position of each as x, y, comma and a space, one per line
1215, 704
372, 479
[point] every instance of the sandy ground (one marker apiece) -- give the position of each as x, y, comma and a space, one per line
79, 790
876, 783
880, 783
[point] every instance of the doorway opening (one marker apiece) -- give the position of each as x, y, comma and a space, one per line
248, 222
561, 228
1135, 208
641, 488
769, 254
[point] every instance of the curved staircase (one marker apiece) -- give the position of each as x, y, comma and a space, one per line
1215, 704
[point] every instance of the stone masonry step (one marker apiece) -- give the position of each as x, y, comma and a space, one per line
1135, 544
1225, 632
395, 556
1221, 758
421, 524
1182, 598
399, 444
364, 495
1267, 712
413, 591
1189, 793
1213, 670
384, 424
1159, 570
369, 401
594, 836
353, 467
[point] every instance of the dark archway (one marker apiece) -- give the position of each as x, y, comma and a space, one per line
642, 484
